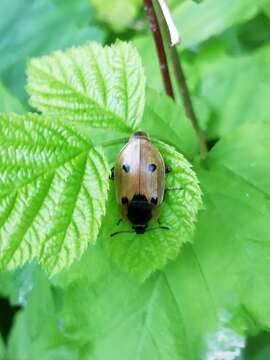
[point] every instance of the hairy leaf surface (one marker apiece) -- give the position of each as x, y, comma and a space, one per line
99, 86
53, 187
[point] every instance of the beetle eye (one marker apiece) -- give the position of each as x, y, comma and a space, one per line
152, 167
126, 168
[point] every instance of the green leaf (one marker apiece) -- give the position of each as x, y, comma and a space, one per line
112, 12
251, 165
53, 188
142, 255
219, 283
146, 48
199, 22
258, 347
17, 285
236, 89
39, 27
29, 332
166, 120
100, 87
147, 51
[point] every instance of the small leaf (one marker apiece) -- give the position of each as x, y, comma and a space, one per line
141, 255
53, 189
112, 12
102, 87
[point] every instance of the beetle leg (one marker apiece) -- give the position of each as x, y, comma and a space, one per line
167, 169
171, 189
119, 222
111, 177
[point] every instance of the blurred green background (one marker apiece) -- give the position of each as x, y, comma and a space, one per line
226, 52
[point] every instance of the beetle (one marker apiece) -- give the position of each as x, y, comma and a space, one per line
139, 175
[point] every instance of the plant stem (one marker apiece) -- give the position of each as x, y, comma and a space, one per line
163, 63
177, 67
186, 99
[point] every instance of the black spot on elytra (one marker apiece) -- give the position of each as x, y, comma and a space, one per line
126, 168
152, 167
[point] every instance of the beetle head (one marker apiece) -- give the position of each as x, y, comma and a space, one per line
139, 213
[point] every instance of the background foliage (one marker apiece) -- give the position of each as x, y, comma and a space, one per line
213, 298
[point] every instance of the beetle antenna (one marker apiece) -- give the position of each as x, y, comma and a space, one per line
131, 231
173, 189
121, 232
158, 227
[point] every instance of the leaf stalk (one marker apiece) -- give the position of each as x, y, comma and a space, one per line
156, 31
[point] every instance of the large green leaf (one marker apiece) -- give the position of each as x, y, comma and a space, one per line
142, 255
34, 28
252, 165
29, 343
201, 305
236, 89
199, 22
53, 188
100, 87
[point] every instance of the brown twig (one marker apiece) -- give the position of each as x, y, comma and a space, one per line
186, 99
155, 28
